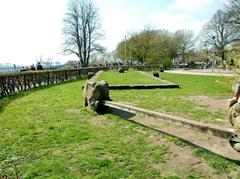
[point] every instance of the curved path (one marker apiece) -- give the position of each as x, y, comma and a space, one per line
207, 72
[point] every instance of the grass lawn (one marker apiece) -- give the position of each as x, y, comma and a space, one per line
50, 134
175, 101
47, 133
128, 77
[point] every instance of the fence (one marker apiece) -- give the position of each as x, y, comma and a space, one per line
17, 82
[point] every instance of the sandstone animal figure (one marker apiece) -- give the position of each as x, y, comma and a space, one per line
234, 116
87, 92
156, 74
236, 94
94, 94
234, 104
90, 75
121, 70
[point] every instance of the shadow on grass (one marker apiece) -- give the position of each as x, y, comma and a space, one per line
219, 162
4, 101
121, 113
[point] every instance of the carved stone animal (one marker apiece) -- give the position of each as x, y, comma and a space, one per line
87, 92
94, 94
234, 115
121, 70
156, 74
234, 100
234, 104
90, 75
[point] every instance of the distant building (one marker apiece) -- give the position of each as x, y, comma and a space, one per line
73, 63
8, 68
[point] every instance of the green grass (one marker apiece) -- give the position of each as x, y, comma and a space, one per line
218, 163
49, 134
175, 101
128, 77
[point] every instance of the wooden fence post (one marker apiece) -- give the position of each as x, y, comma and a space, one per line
48, 78
24, 82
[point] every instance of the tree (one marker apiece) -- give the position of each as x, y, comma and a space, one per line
156, 46
137, 46
184, 40
140, 45
163, 47
219, 33
81, 30
234, 11
234, 52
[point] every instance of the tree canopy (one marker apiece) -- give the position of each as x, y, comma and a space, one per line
155, 46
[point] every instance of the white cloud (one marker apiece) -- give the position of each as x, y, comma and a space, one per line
186, 14
175, 21
200, 6
190, 5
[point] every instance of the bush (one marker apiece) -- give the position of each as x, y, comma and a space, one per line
121, 70
167, 63
191, 65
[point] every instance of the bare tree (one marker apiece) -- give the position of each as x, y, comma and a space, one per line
234, 12
219, 33
82, 30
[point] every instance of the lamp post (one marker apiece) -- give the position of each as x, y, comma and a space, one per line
128, 47
125, 49
213, 61
130, 55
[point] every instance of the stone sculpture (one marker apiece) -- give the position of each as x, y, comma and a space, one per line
95, 93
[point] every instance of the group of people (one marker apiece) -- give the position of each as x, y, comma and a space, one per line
209, 64
32, 67
38, 67
213, 63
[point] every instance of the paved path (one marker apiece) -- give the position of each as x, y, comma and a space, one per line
207, 72
93, 79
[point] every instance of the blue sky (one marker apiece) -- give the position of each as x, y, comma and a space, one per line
32, 28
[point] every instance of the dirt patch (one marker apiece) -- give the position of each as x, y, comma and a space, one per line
182, 160
73, 111
42, 113
211, 104
100, 120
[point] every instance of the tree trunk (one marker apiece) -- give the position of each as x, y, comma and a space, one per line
223, 55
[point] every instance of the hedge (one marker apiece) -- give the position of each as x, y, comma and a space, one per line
17, 82
12, 83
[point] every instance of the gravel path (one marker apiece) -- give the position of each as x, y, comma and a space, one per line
207, 72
